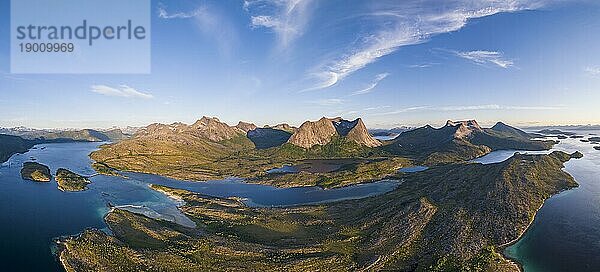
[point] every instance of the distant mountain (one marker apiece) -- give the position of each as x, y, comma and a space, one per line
461, 140
284, 127
87, 135
115, 134
322, 132
209, 128
268, 137
380, 132
502, 127
245, 127
556, 132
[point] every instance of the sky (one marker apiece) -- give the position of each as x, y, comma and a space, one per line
392, 63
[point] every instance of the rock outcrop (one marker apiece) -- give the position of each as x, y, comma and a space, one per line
36, 172
207, 127
322, 132
245, 127
313, 133
463, 128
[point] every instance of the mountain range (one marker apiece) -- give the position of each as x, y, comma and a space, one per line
54, 135
210, 149
461, 140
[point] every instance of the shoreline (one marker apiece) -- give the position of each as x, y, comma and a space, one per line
508, 244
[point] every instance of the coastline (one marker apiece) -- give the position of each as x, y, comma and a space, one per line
508, 244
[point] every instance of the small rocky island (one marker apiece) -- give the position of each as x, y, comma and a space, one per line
69, 181
36, 172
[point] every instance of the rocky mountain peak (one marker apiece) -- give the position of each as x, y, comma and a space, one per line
284, 127
207, 127
360, 134
313, 133
322, 131
472, 124
464, 128
245, 127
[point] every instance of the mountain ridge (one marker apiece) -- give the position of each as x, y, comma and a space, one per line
321, 132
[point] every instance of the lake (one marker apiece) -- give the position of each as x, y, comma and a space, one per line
565, 234
32, 214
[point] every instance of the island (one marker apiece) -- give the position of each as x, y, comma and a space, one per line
69, 181
36, 172
555, 132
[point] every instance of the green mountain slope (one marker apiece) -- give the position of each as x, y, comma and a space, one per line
448, 218
10, 145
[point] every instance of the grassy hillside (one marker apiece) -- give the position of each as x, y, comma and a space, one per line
448, 218
457, 143
10, 145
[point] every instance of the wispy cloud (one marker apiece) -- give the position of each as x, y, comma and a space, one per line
403, 110
162, 13
468, 108
210, 22
287, 18
593, 71
407, 23
482, 57
494, 107
372, 85
328, 102
422, 65
121, 91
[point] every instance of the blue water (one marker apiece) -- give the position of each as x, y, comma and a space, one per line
286, 169
502, 155
32, 214
565, 234
413, 169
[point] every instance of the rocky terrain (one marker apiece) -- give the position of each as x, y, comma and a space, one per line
210, 149
322, 132
69, 181
245, 127
454, 217
36, 172
460, 141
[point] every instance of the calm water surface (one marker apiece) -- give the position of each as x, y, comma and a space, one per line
32, 214
565, 235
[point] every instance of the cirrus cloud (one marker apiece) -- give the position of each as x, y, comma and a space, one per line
482, 57
120, 91
407, 23
372, 85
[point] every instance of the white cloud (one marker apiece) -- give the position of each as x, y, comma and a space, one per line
409, 22
372, 85
592, 71
121, 91
328, 102
287, 18
486, 57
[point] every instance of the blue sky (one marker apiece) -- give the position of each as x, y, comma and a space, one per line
525, 62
